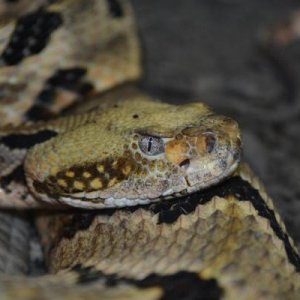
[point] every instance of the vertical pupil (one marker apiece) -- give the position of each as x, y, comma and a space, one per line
150, 144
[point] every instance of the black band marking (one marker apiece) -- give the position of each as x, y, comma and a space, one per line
26, 141
170, 210
181, 285
115, 8
31, 35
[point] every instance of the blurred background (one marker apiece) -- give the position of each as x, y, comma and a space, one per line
243, 59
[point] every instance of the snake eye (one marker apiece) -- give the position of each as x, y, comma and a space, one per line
151, 145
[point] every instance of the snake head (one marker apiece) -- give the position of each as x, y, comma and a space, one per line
185, 160
139, 152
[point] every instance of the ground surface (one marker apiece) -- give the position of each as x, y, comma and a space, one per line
214, 51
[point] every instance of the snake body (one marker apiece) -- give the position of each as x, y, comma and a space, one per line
179, 218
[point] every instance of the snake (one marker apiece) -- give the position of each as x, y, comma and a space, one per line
132, 198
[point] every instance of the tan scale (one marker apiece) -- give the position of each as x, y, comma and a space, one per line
71, 174
96, 184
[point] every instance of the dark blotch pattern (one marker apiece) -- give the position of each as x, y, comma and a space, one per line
64, 79
78, 222
115, 8
39, 113
182, 285
30, 35
17, 175
67, 79
71, 79
26, 141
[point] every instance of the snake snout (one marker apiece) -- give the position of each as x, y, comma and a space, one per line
206, 154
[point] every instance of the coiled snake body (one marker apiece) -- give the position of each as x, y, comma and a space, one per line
172, 212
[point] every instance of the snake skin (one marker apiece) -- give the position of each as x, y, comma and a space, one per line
225, 242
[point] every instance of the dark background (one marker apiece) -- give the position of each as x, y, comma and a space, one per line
243, 59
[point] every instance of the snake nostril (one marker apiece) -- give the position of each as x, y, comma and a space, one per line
185, 163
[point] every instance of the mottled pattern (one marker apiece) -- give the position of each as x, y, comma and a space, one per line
105, 47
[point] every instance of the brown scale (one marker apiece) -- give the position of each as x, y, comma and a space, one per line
144, 161
134, 146
139, 170
152, 166
137, 156
145, 171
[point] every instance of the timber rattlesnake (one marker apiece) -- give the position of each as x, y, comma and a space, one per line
210, 230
